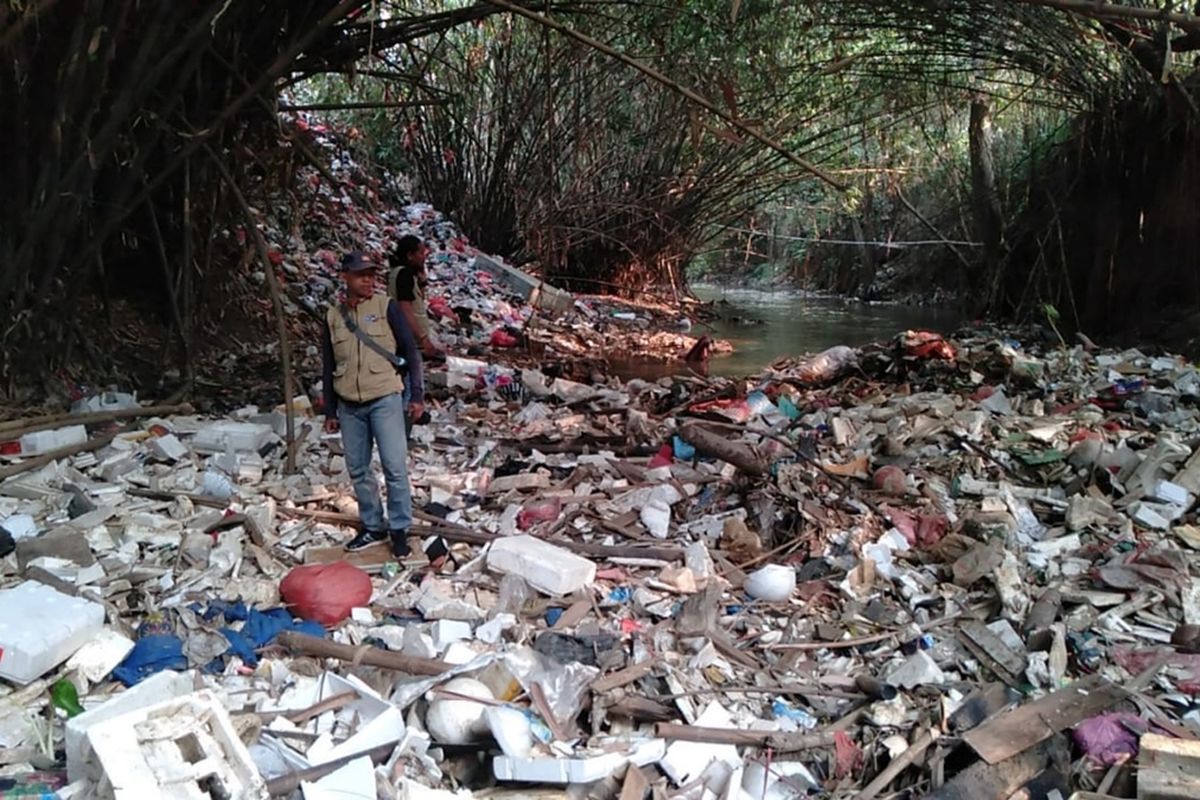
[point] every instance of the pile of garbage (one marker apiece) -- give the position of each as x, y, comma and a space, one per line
478, 303
929, 567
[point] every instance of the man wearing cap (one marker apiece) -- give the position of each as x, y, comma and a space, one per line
368, 349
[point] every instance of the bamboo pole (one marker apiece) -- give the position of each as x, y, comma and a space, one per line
895, 767
288, 783
303, 644
783, 742
457, 533
285, 351
47, 458
1091, 8
359, 106
16, 428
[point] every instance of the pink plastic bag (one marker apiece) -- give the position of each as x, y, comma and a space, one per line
325, 593
532, 514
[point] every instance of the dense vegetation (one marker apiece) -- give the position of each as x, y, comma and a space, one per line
1039, 152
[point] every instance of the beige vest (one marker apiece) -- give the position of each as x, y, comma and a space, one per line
359, 373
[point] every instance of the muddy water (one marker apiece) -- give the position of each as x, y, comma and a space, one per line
790, 323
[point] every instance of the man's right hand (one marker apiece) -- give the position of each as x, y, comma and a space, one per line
331, 425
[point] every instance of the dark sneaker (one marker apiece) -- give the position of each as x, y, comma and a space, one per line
400, 546
365, 538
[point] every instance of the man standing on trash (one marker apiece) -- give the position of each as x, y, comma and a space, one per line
367, 345
406, 285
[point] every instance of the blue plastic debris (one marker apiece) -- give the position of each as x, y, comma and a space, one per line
233, 612
784, 710
758, 402
260, 630
621, 594
149, 655
683, 450
923, 642
788, 408
552, 616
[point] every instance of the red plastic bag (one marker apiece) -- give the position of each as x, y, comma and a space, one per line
927, 344
663, 458
439, 308
545, 511
325, 593
502, 338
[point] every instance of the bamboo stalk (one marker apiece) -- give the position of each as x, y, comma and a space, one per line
290, 782
48, 458
895, 767
783, 742
303, 644
285, 350
460, 534
16, 428
1094, 8
359, 106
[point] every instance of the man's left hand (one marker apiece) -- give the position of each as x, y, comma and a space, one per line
416, 410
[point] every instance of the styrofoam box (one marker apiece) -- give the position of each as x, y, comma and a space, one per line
158, 688
45, 441
226, 436
40, 628
544, 566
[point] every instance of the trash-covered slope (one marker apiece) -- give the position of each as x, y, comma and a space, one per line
831, 578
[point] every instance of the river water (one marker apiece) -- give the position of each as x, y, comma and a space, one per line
792, 323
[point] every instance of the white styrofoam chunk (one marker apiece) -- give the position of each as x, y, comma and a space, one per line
683, 761
447, 631
136, 753
575, 771
20, 526
168, 447
356, 779
45, 441
544, 566
161, 686
100, 655
226, 436
40, 628
1173, 493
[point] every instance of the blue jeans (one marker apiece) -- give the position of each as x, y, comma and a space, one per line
378, 422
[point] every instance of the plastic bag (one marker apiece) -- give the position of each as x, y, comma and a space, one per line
827, 365
502, 338
325, 593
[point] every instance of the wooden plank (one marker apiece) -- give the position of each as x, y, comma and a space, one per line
1008, 664
1000, 780
622, 677
636, 785
371, 556
1020, 728
573, 615
980, 704
1168, 769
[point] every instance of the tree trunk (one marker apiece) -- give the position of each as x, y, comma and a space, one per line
985, 202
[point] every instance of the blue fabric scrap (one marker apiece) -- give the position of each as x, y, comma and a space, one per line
149, 655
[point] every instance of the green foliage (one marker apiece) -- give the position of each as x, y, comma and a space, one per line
548, 151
